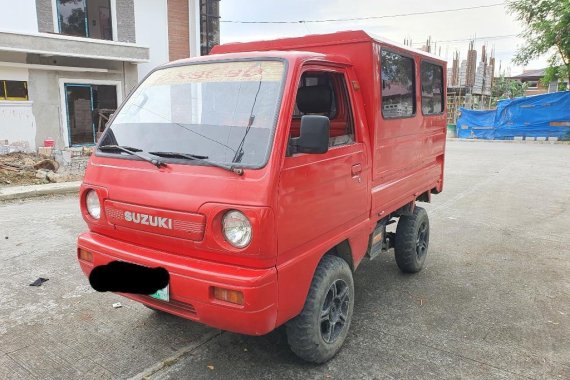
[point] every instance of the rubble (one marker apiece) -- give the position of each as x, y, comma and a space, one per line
47, 166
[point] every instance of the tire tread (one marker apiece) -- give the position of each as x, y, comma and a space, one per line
405, 244
299, 340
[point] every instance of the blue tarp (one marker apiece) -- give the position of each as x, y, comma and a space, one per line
546, 115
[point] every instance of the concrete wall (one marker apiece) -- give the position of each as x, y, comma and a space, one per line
13, 73
18, 16
126, 20
18, 125
44, 90
131, 78
149, 14
73, 47
17, 122
44, 16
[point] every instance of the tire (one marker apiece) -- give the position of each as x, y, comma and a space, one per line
412, 241
317, 334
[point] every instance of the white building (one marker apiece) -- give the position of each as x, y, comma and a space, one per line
65, 65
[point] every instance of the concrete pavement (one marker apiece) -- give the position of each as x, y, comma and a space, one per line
492, 303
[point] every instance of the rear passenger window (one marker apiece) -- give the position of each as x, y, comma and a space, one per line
432, 88
398, 85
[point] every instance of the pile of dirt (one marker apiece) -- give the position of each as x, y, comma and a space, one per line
19, 168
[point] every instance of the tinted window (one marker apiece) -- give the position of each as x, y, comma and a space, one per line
398, 87
432, 89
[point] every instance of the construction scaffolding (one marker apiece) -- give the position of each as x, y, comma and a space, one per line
469, 82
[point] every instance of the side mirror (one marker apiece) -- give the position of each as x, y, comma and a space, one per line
314, 137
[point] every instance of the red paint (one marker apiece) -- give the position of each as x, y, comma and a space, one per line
300, 207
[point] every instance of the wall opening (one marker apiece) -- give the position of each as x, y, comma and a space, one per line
88, 108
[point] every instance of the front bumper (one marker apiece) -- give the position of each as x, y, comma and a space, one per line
191, 285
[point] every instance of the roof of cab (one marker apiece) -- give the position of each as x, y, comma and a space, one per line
276, 54
293, 43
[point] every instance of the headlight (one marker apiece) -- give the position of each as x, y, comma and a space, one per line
93, 204
237, 228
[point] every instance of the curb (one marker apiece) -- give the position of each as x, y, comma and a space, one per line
22, 192
546, 142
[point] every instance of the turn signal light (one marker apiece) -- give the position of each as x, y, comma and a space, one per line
227, 295
85, 255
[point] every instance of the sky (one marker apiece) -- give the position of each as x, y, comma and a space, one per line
492, 26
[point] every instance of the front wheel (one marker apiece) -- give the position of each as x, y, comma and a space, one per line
317, 334
412, 240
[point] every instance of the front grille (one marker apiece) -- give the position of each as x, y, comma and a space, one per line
178, 224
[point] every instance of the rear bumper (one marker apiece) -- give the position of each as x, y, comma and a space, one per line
191, 283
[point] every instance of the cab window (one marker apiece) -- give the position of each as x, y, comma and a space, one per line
326, 94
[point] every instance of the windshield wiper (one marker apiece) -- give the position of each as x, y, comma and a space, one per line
180, 155
132, 151
197, 157
239, 151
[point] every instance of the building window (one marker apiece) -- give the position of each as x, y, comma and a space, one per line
398, 85
532, 84
209, 25
88, 108
13, 90
85, 18
432, 89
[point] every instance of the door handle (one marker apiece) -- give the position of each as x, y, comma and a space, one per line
356, 169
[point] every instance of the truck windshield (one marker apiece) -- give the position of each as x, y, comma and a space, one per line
223, 111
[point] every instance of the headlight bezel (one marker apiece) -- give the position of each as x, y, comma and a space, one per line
237, 220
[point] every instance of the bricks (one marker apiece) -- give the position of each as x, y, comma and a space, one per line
179, 29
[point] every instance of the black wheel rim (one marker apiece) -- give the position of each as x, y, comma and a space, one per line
334, 313
422, 240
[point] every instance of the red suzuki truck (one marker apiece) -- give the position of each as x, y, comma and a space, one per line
244, 188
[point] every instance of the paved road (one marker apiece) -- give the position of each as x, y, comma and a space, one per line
493, 301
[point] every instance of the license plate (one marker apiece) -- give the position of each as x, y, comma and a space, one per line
162, 294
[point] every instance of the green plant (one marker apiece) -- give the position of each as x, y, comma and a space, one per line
546, 30
508, 88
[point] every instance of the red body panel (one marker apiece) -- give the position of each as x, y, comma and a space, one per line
300, 207
191, 281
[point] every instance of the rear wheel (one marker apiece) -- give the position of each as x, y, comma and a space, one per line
412, 240
317, 334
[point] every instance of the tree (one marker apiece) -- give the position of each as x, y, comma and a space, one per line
508, 88
546, 29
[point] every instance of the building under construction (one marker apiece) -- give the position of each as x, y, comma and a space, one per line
469, 82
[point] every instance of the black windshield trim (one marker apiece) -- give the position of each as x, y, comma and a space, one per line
271, 141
